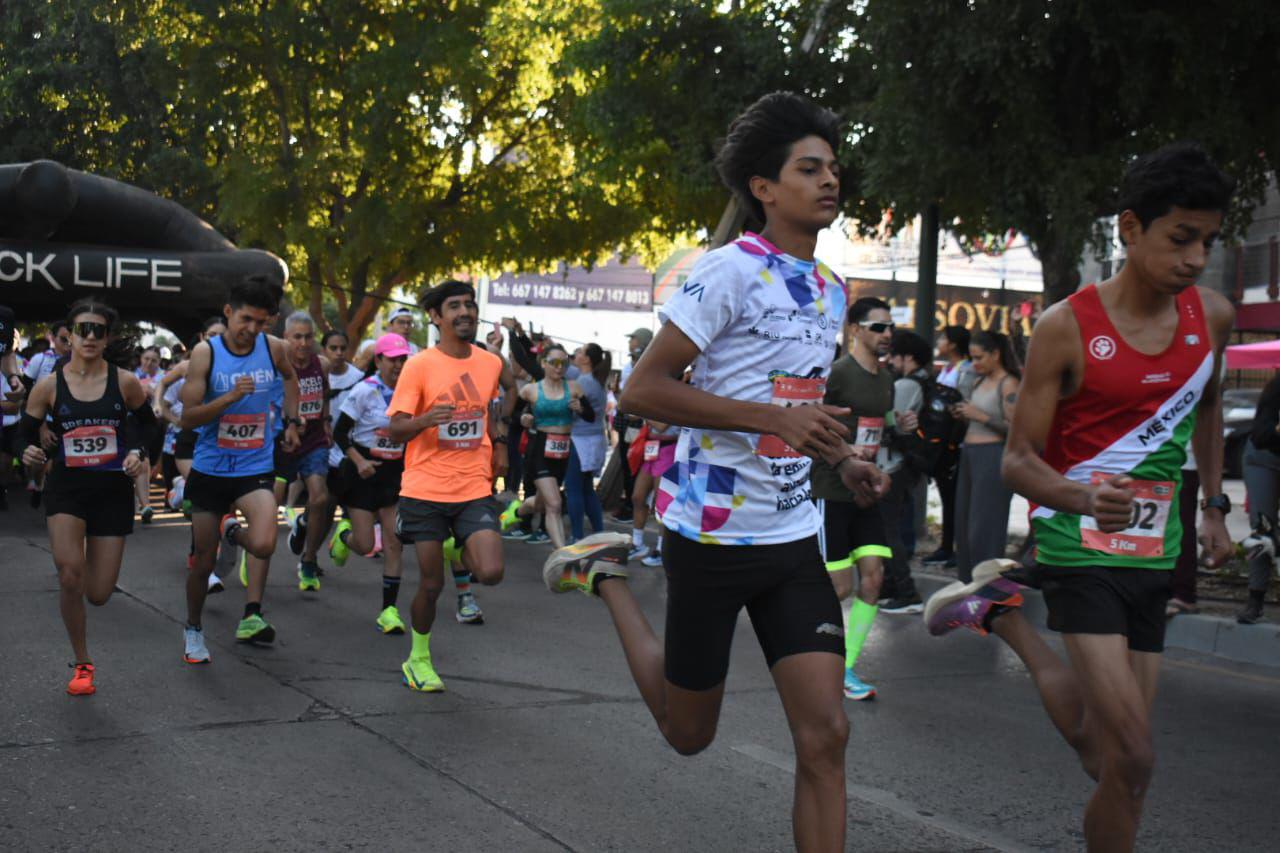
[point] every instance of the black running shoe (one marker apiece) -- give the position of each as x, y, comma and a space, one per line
1251, 615
906, 605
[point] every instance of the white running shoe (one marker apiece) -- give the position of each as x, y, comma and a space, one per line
196, 650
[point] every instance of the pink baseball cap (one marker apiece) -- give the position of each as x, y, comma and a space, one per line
391, 345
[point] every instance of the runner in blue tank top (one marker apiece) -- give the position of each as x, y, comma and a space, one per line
230, 385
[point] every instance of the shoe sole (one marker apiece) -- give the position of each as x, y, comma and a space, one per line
983, 574
553, 568
905, 611
404, 679
89, 692
194, 662
389, 631
860, 697
267, 635
215, 589
473, 620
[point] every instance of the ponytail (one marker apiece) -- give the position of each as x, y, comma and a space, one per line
1001, 344
601, 362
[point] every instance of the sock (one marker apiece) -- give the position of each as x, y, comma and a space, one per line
390, 591
421, 646
860, 619
637, 537
462, 580
252, 608
658, 548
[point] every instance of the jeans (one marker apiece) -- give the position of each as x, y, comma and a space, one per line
580, 494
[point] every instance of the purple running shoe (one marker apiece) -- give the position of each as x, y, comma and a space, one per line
968, 605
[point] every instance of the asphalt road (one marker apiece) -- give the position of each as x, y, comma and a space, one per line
541, 742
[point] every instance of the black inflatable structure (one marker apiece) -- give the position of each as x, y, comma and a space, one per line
65, 235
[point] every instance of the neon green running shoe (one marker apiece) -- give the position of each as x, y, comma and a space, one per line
420, 675
254, 629
244, 567
338, 550
308, 580
509, 519
389, 621
452, 553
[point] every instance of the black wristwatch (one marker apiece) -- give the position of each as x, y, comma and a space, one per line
292, 422
500, 439
1218, 502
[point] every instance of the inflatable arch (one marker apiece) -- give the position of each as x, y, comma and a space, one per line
65, 235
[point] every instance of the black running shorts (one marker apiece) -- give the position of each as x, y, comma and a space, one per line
184, 444
372, 494
102, 499
433, 521
539, 466
217, 495
850, 533
786, 591
1108, 600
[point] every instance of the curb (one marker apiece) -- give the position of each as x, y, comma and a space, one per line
1210, 635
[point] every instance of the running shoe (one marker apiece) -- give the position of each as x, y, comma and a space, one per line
389, 621
970, 605
583, 565
638, 552
452, 553
174, 497
338, 550
515, 534
469, 613
508, 519
81, 683
307, 579
903, 605
857, 689
215, 585
420, 675
146, 514
290, 515
230, 524
196, 651
297, 531
653, 561
254, 629
539, 537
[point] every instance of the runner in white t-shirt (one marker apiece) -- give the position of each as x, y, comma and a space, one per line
759, 320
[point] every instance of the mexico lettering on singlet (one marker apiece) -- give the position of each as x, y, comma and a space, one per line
238, 443
1132, 415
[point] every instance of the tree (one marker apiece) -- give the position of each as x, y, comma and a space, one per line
1024, 114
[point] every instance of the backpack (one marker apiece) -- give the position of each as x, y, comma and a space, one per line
936, 445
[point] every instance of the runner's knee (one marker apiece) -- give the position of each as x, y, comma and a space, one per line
488, 574
71, 575
261, 545
820, 741
689, 738
97, 599
1133, 759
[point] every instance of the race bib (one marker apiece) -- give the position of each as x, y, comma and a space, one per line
464, 432
651, 449
631, 434
866, 436
89, 446
558, 447
790, 391
242, 432
383, 447
310, 406
1144, 537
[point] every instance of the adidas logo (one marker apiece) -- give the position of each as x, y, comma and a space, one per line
974, 606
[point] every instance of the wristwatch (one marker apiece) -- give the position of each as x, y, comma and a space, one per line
292, 422
1218, 502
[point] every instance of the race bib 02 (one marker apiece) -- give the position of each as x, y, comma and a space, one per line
89, 446
242, 432
383, 447
1144, 537
790, 391
464, 432
557, 447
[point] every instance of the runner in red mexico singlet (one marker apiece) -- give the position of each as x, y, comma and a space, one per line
1118, 379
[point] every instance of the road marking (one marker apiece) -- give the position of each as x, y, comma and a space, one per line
892, 802
1217, 670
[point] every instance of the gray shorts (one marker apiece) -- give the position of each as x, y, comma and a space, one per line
432, 521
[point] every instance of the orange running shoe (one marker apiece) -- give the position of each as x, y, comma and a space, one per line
81, 683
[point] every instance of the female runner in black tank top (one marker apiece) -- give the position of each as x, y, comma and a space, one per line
89, 494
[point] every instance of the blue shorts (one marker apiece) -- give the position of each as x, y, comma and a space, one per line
313, 463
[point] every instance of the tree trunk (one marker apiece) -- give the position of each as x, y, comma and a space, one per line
315, 305
1059, 266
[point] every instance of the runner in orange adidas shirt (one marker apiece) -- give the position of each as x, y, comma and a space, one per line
440, 411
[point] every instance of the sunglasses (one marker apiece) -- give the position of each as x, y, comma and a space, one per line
86, 330
557, 362
877, 328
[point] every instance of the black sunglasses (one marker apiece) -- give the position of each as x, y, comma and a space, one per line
85, 329
877, 328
